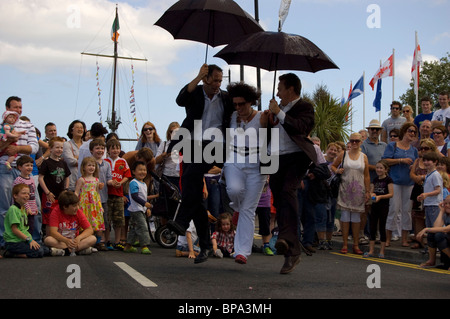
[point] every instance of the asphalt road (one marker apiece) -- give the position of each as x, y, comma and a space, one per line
162, 276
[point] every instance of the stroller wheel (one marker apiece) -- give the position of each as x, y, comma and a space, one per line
165, 237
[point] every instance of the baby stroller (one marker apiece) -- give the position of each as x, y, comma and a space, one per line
165, 207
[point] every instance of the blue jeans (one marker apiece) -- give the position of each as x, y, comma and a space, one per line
321, 217
7, 178
306, 216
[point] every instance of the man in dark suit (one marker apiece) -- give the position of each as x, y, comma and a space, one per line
211, 105
295, 119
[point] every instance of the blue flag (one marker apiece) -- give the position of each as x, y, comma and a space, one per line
377, 101
358, 89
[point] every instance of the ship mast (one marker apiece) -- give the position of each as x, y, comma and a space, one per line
114, 121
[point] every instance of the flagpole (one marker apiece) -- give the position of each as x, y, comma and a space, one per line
393, 74
416, 85
364, 100
379, 115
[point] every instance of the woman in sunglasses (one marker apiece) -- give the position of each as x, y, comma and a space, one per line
439, 136
400, 156
354, 190
149, 138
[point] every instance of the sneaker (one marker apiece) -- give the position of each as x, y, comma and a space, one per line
329, 245
322, 245
119, 246
86, 251
56, 252
109, 246
146, 251
130, 250
267, 251
218, 253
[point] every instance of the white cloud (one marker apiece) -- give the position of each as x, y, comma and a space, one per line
403, 66
50, 34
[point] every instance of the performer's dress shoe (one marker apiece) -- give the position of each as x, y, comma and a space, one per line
176, 227
202, 256
281, 246
289, 264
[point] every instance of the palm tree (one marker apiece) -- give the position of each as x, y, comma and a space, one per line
332, 119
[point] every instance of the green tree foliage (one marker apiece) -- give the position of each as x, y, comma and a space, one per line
332, 119
434, 79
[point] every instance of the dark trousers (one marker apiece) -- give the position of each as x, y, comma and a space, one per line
192, 207
284, 184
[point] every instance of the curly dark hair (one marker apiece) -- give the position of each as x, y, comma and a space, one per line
241, 89
225, 216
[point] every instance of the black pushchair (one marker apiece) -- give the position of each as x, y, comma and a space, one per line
165, 207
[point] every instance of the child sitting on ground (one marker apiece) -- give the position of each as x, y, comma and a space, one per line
17, 238
69, 229
223, 238
187, 246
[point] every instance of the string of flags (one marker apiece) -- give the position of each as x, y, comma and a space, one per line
99, 112
133, 102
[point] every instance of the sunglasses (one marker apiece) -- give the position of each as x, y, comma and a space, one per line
354, 141
393, 136
437, 133
148, 129
411, 131
424, 148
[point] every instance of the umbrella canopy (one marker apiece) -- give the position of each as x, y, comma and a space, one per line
274, 51
214, 22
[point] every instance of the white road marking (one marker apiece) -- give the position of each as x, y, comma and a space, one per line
144, 281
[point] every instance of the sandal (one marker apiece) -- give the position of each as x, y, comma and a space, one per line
426, 265
101, 246
367, 255
416, 245
357, 251
344, 250
381, 256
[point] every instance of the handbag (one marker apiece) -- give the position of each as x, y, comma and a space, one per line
336, 181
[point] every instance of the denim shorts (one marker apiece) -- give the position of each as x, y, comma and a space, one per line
431, 213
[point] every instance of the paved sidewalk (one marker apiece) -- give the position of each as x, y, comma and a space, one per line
394, 252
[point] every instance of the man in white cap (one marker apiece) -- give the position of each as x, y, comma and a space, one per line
374, 150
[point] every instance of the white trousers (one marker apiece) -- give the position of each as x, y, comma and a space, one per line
244, 188
400, 210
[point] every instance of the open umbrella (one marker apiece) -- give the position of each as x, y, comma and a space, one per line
213, 22
274, 51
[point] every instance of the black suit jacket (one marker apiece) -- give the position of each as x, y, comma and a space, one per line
298, 124
194, 103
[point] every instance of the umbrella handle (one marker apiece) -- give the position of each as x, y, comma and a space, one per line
275, 76
206, 55
274, 81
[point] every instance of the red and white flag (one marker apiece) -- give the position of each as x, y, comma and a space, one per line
415, 69
387, 69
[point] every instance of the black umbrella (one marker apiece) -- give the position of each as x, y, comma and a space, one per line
274, 51
213, 22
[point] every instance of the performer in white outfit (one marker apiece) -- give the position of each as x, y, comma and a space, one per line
242, 166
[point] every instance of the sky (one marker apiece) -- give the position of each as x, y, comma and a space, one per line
41, 43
